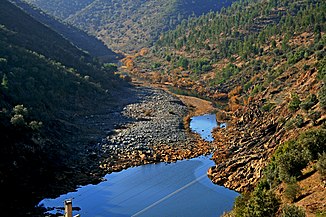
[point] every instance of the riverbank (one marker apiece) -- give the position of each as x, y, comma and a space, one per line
149, 125
159, 132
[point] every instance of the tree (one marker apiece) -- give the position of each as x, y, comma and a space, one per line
262, 203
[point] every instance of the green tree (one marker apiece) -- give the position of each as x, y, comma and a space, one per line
262, 203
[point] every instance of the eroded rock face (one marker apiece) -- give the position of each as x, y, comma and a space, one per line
253, 134
251, 138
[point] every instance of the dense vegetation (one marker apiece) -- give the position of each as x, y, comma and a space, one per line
127, 25
46, 83
86, 42
216, 47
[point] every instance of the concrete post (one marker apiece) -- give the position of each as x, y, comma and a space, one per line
68, 208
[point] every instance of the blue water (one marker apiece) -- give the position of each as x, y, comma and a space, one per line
180, 189
204, 124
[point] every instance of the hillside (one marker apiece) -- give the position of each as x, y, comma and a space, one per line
48, 87
79, 38
263, 64
127, 25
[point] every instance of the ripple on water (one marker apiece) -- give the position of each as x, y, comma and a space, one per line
177, 189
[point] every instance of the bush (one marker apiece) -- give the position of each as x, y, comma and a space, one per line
309, 102
321, 166
292, 191
18, 120
322, 97
292, 211
305, 67
292, 156
314, 116
258, 88
313, 143
295, 57
298, 121
247, 85
268, 107
262, 203
290, 160
20, 110
295, 102
240, 204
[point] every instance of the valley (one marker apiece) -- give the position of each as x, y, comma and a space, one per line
94, 89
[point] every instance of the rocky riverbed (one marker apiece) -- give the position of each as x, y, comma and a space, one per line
157, 131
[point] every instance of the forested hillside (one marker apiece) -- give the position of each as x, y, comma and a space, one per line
127, 25
216, 47
79, 38
263, 64
47, 86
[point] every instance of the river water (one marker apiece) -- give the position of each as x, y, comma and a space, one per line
180, 189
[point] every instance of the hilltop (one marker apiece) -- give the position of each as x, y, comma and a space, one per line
127, 25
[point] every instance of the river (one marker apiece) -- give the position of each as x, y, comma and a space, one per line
157, 190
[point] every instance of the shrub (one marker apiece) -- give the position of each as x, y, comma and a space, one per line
309, 102
258, 88
298, 121
240, 204
247, 85
268, 107
292, 191
314, 116
322, 97
292, 211
35, 125
321, 166
289, 124
321, 214
295, 57
295, 102
313, 143
321, 66
17, 120
20, 110
4, 82
290, 159
262, 203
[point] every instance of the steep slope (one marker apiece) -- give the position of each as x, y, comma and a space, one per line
266, 61
79, 38
31, 35
47, 88
62, 9
128, 25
